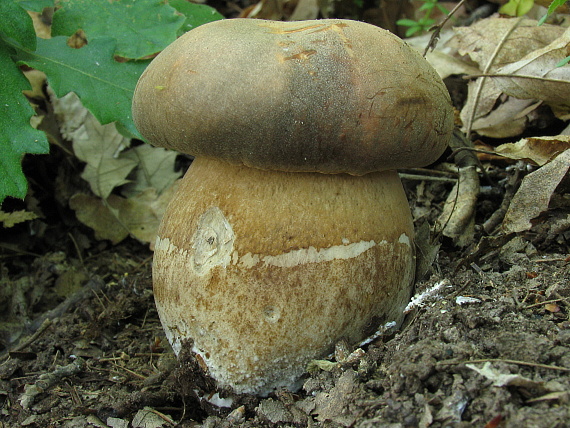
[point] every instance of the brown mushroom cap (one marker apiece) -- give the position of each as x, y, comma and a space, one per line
330, 96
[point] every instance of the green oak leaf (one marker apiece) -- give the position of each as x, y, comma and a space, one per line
141, 27
35, 5
196, 14
17, 137
16, 25
104, 85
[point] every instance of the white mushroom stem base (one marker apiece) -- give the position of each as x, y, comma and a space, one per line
267, 270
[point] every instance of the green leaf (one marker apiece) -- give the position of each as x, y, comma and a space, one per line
17, 137
516, 7
196, 14
407, 23
551, 9
141, 27
442, 9
35, 5
104, 85
563, 62
412, 30
555, 5
426, 6
16, 25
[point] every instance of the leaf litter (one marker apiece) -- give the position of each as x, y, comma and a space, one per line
493, 347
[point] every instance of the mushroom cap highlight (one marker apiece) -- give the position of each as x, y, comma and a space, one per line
329, 96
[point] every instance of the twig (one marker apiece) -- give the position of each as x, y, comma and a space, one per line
407, 176
497, 217
437, 28
45, 325
39, 325
553, 259
47, 380
515, 76
534, 305
72, 301
481, 81
162, 416
562, 299
499, 360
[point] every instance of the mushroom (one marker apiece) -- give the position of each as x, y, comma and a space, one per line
291, 230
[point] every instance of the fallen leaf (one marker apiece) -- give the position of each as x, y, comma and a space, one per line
479, 43
495, 422
535, 193
142, 213
538, 150
508, 118
447, 65
442, 58
117, 217
265, 9
97, 145
155, 169
457, 219
537, 76
552, 307
10, 219
150, 418
563, 396
96, 213
305, 10
502, 379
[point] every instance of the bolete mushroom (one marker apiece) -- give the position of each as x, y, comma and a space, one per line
291, 230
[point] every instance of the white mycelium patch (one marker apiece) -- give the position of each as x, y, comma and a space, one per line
307, 255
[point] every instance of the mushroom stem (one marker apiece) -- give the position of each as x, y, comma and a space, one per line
266, 270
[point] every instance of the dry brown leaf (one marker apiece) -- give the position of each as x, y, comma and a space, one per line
306, 9
563, 396
117, 217
538, 150
535, 193
493, 43
142, 213
503, 379
447, 65
458, 216
479, 40
155, 169
506, 119
536, 75
15, 217
265, 9
95, 144
442, 58
96, 214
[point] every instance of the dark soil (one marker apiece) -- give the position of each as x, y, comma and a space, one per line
95, 355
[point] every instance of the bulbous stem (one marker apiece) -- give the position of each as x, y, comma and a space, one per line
267, 270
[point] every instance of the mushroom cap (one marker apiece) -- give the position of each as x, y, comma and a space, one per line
329, 96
